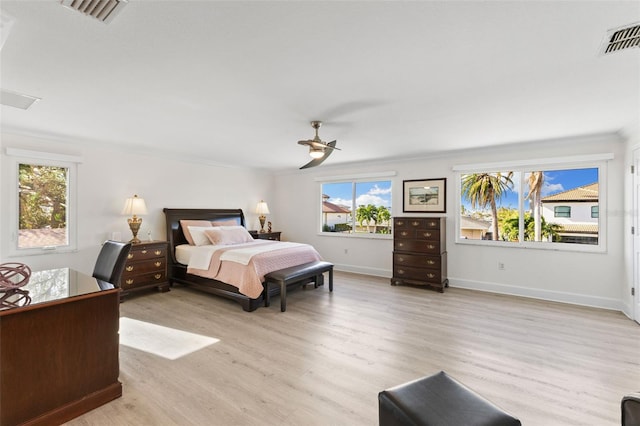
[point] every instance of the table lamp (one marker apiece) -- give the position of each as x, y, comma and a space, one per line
262, 209
134, 206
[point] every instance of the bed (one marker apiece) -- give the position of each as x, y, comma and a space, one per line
251, 297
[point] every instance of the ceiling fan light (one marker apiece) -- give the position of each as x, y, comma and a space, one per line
316, 152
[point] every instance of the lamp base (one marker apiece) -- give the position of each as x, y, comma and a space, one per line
262, 218
134, 225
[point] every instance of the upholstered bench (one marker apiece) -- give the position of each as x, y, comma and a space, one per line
294, 275
438, 400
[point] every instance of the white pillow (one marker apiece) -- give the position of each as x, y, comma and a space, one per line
198, 236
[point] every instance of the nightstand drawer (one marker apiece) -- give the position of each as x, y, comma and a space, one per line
147, 252
137, 268
150, 278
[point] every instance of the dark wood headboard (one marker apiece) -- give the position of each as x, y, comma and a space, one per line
175, 236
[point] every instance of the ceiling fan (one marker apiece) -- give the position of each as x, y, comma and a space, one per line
318, 150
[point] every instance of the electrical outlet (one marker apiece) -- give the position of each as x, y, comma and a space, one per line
500, 266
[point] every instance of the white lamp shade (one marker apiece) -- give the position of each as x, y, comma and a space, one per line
262, 208
134, 206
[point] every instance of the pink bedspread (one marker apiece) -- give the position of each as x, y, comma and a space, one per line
248, 278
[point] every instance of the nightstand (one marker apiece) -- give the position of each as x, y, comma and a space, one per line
275, 236
146, 267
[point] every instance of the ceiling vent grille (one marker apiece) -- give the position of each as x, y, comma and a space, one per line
622, 38
102, 10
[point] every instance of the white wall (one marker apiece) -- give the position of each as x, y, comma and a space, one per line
110, 174
582, 278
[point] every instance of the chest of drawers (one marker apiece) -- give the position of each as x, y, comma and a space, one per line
146, 267
419, 252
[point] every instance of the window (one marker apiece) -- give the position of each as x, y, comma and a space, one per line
43, 209
543, 207
562, 211
356, 207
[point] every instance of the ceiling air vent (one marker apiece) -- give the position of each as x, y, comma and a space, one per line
102, 10
622, 38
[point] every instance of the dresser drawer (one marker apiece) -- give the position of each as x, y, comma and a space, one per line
138, 280
419, 246
417, 223
418, 261
417, 274
147, 252
413, 234
137, 268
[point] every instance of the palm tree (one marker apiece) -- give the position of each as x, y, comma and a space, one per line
536, 180
484, 189
367, 213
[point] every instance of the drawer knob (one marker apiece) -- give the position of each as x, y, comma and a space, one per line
157, 276
404, 233
431, 275
129, 281
415, 223
158, 252
400, 223
430, 246
431, 262
158, 264
432, 224
400, 244
400, 259
130, 256
129, 268
143, 252
400, 271
427, 234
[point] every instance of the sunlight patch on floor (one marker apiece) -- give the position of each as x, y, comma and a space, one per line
162, 341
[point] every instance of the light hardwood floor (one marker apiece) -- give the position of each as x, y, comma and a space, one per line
324, 360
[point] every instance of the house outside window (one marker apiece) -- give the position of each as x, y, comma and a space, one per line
356, 207
595, 212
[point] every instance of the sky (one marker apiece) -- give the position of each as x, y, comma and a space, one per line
377, 193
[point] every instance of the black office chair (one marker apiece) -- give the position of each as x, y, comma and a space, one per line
111, 260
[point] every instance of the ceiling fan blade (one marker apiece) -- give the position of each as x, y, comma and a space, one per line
332, 145
317, 161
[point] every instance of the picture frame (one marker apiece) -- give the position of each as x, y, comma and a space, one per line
424, 196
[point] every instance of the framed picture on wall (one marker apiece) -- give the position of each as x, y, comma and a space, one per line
424, 196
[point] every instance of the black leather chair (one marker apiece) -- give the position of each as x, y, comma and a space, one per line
111, 260
630, 406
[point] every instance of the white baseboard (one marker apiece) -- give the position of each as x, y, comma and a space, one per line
376, 272
535, 293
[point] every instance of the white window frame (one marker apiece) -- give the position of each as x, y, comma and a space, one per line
70, 162
598, 161
355, 178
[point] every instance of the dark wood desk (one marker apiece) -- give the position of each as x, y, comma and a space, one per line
59, 353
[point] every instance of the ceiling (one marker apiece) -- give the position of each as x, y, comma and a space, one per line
236, 83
